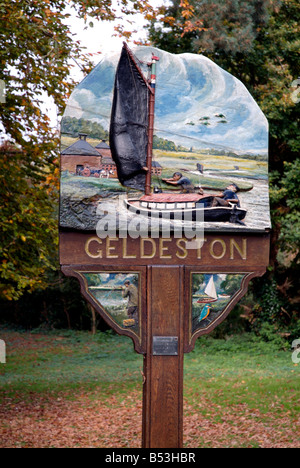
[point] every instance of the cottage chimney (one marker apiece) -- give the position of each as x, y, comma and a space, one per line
83, 136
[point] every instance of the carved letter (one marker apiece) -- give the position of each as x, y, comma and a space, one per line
142, 248
182, 248
125, 254
211, 249
162, 248
110, 248
199, 249
87, 247
241, 250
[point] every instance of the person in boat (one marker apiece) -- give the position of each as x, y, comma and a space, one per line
228, 196
206, 200
180, 181
130, 291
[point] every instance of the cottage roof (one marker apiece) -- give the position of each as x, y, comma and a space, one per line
103, 145
107, 160
155, 164
80, 148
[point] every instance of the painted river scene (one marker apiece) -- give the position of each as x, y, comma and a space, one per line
207, 128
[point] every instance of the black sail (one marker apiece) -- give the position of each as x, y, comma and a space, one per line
129, 123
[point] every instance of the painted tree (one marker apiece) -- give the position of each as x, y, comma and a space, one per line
37, 51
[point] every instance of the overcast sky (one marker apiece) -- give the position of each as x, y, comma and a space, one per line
101, 39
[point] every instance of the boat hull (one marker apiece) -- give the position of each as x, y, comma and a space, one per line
206, 214
206, 301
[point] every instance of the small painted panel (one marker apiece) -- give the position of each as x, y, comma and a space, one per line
212, 294
118, 295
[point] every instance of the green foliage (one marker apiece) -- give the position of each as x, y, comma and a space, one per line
197, 282
231, 345
28, 228
286, 207
73, 126
270, 305
163, 144
59, 306
272, 311
36, 55
258, 42
231, 284
269, 334
209, 26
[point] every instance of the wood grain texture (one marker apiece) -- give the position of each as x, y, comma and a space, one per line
247, 251
165, 267
163, 389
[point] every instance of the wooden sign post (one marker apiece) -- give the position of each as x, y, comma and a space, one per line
165, 265
168, 325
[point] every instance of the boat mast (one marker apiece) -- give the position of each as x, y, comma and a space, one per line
151, 124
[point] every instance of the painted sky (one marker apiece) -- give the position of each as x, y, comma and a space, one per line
191, 90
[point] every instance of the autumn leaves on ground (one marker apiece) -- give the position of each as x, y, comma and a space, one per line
71, 389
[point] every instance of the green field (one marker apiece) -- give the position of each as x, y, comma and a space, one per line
72, 389
218, 169
215, 168
81, 186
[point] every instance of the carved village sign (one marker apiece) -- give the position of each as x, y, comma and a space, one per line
164, 215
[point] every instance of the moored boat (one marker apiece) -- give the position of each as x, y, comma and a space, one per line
131, 142
191, 207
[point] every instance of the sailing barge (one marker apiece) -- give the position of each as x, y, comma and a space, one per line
131, 143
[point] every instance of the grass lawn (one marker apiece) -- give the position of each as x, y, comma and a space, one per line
70, 389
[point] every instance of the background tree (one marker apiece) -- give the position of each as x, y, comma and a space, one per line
258, 42
36, 55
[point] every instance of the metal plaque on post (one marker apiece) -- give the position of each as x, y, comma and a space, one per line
165, 345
